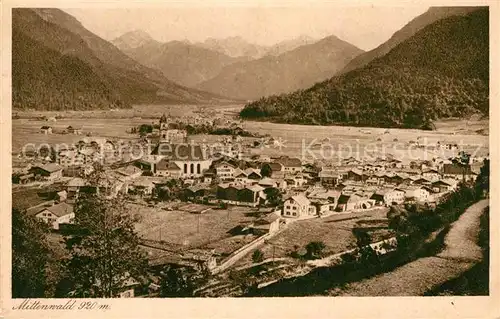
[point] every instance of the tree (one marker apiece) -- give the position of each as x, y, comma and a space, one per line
266, 171
314, 249
163, 118
257, 256
30, 256
177, 282
273, 196
106, 253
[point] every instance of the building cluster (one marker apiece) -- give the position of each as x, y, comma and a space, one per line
231, 177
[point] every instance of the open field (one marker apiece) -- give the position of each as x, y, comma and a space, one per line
335, 231
297, 140
137, 111
346, 141
25, 197
185, 230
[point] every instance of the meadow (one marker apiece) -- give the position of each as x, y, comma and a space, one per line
184, 230
321, 143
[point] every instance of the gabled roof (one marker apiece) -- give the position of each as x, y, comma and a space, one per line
51, 167
225, 163
76, 182
166, 165
129, 170
61, 209
356, 171
301, 199
266, 181
447, 181
255, 188
250, 170
238, 172
290, 161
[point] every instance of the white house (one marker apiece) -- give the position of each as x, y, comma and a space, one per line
298, 206
389, 196
166, 168
61, 213
431, 174
225, 171
417, 193
192, 159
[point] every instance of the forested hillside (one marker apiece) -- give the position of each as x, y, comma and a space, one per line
442, 71
57, 64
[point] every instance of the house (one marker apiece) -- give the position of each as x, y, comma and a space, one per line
46, 129
141, 186
225, 171
290, 164
422, 181
208, 176
170, 135
351, 161
56, 215
458, 172
352, 201
49, 171
356, 175
268, 224
418, 193
329, 177
77, 130
324, 200
388, 196
26, 178
129, 172
73, 187
166, 168
240, 195
148, 163
444, 185
298, 206
192, 159
297, 180
197, 190
431, 174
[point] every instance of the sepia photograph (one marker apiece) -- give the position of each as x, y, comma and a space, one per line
218, 151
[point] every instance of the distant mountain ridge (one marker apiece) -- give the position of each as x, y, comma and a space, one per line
234, 47
441, 71
181, 62
58, 64
133, 39
289, 71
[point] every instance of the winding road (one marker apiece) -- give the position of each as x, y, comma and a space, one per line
461, 252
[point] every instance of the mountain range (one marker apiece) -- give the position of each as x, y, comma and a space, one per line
58, 64
191, 64
286, 72
440, 70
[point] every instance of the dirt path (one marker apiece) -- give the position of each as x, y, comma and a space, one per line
461, 252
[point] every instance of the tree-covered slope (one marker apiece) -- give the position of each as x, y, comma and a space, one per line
441, 71
57, 64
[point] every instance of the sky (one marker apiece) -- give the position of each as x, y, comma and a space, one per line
364, 26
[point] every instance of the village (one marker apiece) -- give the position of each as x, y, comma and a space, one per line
208, 206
